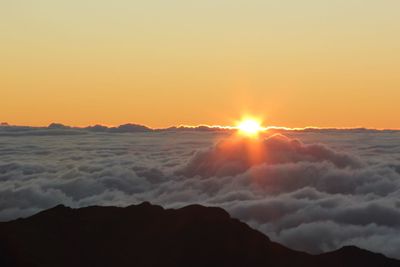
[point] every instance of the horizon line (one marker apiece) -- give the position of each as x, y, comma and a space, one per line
186, 126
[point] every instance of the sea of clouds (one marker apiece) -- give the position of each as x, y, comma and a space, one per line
310, 190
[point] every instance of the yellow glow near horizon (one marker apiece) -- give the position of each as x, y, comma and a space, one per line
249, 127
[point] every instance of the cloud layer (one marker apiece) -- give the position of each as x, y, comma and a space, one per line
313, 191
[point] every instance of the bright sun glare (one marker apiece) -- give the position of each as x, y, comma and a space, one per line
249, 127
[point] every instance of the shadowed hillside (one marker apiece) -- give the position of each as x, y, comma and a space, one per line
148, 235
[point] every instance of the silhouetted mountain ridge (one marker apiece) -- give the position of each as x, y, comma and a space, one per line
149, 235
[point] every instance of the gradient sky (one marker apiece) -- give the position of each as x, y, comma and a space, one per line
161, 63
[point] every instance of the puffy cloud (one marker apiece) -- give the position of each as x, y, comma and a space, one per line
236, 155
330, 189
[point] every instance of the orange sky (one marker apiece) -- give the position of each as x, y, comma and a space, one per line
161, 63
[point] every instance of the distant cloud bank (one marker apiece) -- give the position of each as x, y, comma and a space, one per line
61, 129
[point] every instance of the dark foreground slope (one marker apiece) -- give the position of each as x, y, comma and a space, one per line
148, 235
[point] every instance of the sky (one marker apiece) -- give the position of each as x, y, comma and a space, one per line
161, 63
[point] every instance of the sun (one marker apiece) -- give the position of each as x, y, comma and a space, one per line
249, 127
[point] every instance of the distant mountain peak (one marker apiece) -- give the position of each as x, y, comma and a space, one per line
55, 125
